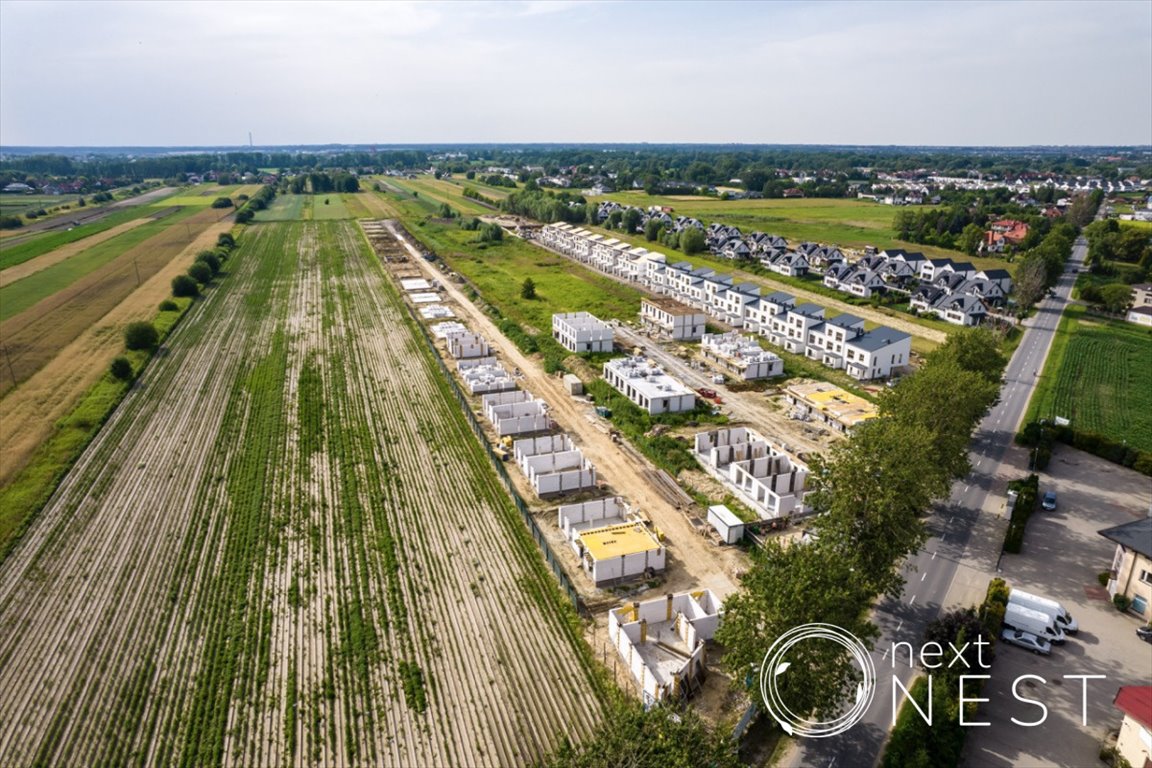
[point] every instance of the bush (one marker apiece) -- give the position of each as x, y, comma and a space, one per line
1121, 602
141, 335
1028, 491
1104, 577
169, 306
222, 202
121, 369
184, 286
528, 289
225, 240
244, 215
201, 272
210, 259
11, 222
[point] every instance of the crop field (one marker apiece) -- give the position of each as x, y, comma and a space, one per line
71, 298
285, 208
450, 192
329, 207
14, 205
286, 548
1097, 376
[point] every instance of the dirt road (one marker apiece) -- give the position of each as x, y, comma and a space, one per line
705, 564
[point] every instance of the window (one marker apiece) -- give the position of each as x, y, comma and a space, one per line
1139, 605
1146, 576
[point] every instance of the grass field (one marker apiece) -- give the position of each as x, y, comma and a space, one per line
21, 295
1097, 377
329, 207
14, 205
292, 551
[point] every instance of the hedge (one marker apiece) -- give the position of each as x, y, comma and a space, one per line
1036, 435
1029, 491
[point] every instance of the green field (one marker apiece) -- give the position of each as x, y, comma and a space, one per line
329, 207
285, 208
1097, 377
14, 205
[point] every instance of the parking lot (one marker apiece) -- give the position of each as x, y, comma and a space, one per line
1062, 555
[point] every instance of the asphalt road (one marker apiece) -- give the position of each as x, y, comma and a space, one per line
932, 571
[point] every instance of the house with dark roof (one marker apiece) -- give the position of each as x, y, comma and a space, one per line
877, 353
960, 309
931, 268
792, 264
1131, 571
1001, 277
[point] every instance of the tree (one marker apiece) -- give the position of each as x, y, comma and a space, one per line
973, 349
970, 238
225, 240
960, 627
629, 736
121, 369
652, 229
1115, 297
211, 259
169, 306
184, 286
786, 586
692, 240
614, 219
222, 202
1031, 280
528, 289
201, 272
141, 335
631, 220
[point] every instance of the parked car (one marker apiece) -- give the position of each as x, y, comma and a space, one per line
1049, 501
1027, 641
1144, 633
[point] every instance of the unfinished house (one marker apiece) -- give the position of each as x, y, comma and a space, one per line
436, 312
581, 332
465, 345
553, 465
741, 356
621, 552
574, 519
482, 379
829, 405
663, 641
759, 473
670, 318
644, 382
516, 413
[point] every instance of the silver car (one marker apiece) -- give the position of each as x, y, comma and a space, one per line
1026, 640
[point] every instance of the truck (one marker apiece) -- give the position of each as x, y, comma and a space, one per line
1033, 621
1046, 605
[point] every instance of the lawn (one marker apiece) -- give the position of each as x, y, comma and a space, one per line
1097, 377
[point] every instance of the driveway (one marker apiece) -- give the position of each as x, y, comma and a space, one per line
1061, 557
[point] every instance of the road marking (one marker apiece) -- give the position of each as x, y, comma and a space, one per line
922, 576
885, 656
900, 625
933, 556
966, 488
912, 600
950, 519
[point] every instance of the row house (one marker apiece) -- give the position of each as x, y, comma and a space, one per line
742, 356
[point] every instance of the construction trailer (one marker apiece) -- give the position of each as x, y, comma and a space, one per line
724, 520
581, 332
644, 383
760, 474
573, 385
553, 465
662, 641
741, 356
481, 379
462, 345
516, 413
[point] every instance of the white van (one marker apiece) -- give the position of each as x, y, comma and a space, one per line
1036, 622
1046, 605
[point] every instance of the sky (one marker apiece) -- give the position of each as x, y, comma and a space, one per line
207, 73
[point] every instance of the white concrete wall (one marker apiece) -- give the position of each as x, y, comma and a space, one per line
570, 515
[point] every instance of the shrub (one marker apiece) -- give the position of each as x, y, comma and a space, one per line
1028, 491
184, 286
121, 368
225, 240
141, 335
11, 222
222, 202
1121, 602
1104, 577
528, 289
169, 306
201, 272
211, 259
244, 215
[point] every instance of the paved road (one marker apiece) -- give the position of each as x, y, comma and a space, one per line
934, 569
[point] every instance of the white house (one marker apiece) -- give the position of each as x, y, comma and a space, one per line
741, 355
759, 473
644, 383
614, 554
875, 354
581, 332
491, 377
672, 318
662, 641
830, 405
